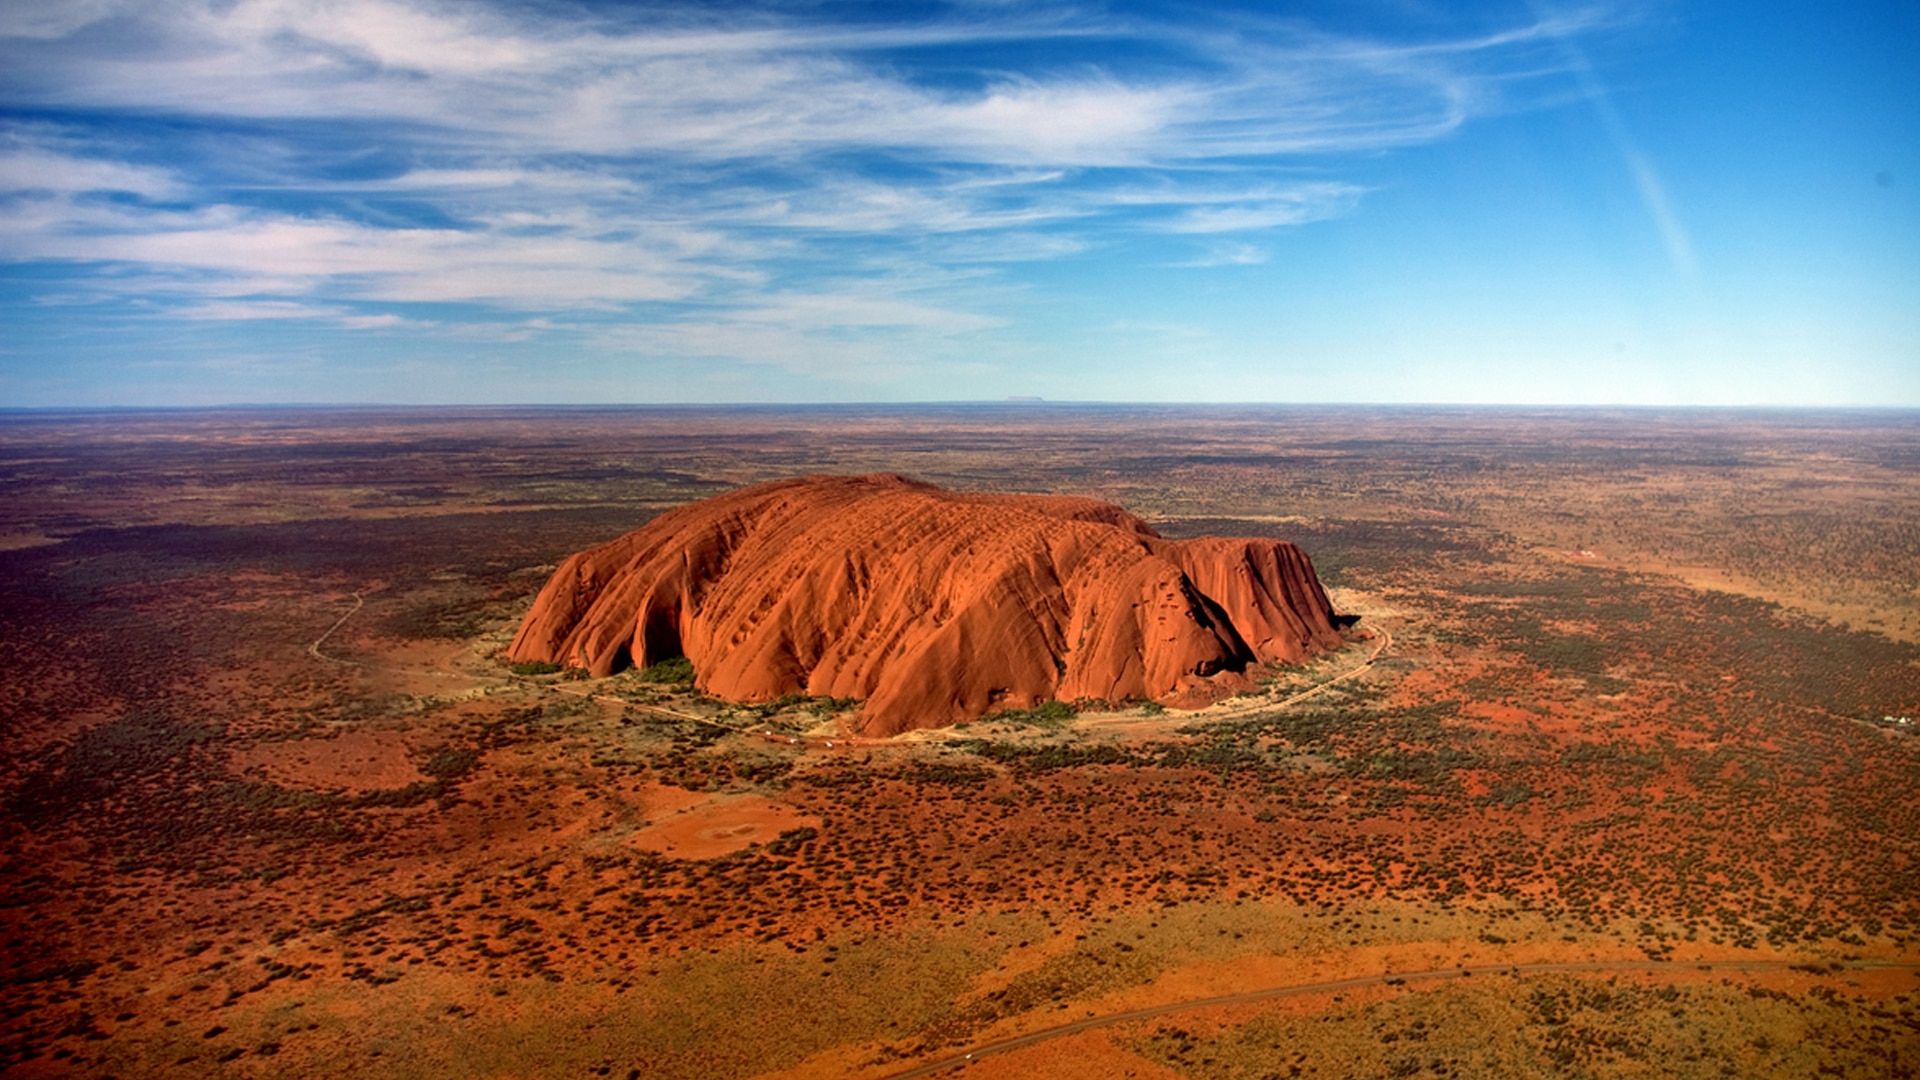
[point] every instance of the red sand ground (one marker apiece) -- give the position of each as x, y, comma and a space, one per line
353, 762
168, 912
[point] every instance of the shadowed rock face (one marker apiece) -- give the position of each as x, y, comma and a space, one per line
932, 606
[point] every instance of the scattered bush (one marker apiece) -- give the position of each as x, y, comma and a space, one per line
447, 763
677, 670
1045, 714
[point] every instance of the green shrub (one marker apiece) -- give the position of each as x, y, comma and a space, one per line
677, 670
536, 667
448, 763
1045, 714
1053, 712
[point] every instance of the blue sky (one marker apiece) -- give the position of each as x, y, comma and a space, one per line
1374, 200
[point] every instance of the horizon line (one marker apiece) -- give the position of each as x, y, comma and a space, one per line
1007, 403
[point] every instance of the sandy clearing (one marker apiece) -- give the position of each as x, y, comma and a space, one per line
718, 825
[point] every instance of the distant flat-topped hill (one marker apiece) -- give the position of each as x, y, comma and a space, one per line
931, 606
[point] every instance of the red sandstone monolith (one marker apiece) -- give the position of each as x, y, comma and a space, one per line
931, 606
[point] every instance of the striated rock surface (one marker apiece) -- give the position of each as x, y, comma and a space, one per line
932, 606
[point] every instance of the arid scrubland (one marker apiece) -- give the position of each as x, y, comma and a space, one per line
1637, 752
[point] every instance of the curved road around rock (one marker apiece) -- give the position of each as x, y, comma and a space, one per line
1001, 1046
1386, 642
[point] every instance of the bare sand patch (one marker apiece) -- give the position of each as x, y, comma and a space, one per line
431, 667
719, 825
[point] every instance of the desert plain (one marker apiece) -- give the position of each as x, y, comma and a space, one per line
1614, 776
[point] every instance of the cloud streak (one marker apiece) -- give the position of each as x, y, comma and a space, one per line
468, 73
741, 189
1641, 170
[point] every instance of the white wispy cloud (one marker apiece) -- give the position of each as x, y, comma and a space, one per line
255, 310
814, 312
1228, 253
769, 90
354, 260
1295, 205
702, 177
29, 169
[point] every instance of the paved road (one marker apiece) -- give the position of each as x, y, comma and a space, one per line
1001, 1046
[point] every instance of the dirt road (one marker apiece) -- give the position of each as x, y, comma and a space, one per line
358, 603
1001, 1046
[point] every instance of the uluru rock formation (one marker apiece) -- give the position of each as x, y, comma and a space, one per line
931, 606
